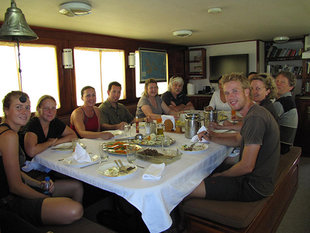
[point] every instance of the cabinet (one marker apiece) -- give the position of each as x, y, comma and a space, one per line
196, 63
200, 101
285, 57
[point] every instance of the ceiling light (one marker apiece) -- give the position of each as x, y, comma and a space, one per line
75, 8
182, 33
281, 39
214, 10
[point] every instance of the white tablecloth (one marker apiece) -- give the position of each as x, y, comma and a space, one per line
154, 199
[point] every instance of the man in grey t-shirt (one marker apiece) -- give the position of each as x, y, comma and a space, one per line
252, 178
286, 110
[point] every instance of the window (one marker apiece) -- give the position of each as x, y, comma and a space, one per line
39, 71
162, 86
97, 68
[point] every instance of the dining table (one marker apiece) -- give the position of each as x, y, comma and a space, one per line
155, 199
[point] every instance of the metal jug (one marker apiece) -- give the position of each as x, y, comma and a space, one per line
192, 124
210, 116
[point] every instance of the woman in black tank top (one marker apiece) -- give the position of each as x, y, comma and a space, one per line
17, 189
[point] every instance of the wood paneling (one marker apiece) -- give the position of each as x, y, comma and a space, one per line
70, 39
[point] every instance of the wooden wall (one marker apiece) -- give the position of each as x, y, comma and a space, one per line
69, 39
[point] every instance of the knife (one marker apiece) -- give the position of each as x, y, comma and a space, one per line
124, 139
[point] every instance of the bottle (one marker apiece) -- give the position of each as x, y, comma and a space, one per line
137, 124
46, 185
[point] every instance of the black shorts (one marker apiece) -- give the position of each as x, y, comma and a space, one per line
230, 189
28, 209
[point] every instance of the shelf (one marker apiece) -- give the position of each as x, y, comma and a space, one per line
196, 63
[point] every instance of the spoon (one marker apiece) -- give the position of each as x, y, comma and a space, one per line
139, 136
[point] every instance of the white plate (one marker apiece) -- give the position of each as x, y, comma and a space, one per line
70, 161
110, 170
66, 147
223, 131
198, 148
63, 148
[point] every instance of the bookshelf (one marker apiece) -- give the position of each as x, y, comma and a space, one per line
196, 63
285, 56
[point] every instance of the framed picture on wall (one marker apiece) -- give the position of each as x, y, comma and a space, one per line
153, 64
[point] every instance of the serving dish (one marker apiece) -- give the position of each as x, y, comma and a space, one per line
118, 147
155, 140
152, 155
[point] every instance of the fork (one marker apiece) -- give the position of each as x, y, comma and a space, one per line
120, 165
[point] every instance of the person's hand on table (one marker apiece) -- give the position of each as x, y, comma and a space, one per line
121, 125
203, 134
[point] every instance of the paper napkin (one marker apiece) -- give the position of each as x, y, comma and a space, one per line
168, 117
195, 138
154, 172
81, 155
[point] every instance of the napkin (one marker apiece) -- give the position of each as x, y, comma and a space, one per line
154, 172
166, 117
34, 165
81, 155
195, 138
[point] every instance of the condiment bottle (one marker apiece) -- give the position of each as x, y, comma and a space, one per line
46, 185
137, 124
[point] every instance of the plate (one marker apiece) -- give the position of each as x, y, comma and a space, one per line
154, 140
198, 148
223, 131
111, 170
152, 155
70, 161
117, 147
65, 147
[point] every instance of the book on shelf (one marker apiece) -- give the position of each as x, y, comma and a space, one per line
271, 48
278, 52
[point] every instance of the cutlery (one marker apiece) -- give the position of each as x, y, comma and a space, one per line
87, 165
192, 146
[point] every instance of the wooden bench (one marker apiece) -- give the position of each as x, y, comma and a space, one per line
260, 216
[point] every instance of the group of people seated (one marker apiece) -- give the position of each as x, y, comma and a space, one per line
21, 138
249, 179
274, 94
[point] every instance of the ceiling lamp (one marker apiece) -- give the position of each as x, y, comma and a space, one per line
15, 27
214, 10
281, 39
182, 33
75, 8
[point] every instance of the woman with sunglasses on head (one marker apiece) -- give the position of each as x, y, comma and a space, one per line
264, 91
18, 193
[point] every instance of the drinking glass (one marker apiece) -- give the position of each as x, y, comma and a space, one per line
131, 153
103, 154
127, 128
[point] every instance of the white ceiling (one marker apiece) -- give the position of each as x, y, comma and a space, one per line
155, 20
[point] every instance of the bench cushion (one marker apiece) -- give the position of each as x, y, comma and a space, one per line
238, 214
82, 225
231, 213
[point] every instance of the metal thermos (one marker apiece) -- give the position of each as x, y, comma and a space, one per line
192, 124
210, 116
